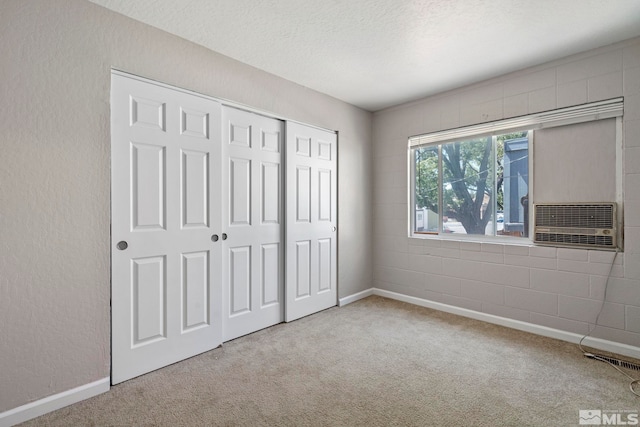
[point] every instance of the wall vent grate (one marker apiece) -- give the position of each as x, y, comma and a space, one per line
613, 361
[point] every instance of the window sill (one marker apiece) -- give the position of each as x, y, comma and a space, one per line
496, 240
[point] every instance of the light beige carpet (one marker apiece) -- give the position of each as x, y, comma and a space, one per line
376, 362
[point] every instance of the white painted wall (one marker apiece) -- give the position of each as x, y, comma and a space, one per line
558, 288
54, 177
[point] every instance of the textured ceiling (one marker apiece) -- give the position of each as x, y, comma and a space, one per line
378, 53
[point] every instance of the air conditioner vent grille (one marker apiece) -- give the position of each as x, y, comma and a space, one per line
576, 224
578, 216
574, 239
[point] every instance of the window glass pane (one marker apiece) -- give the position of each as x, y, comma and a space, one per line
426, 189
484, 186
467, 186
513, 184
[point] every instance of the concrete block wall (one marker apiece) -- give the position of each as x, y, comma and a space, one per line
554, 287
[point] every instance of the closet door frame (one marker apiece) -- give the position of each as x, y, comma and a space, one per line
215, 128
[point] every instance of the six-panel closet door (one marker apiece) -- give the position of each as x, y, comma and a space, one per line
201, 195
252, 222
166, 268
311, 220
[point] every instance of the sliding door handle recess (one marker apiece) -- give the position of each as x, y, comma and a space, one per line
334, 228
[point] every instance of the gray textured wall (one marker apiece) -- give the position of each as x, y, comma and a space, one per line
55, 64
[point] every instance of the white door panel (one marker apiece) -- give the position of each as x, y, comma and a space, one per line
311, 221
302, 270
148, 285
270, 275
252, 250
195, 189
166, 172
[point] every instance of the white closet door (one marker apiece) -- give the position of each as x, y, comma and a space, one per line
311, 220
252, 218
165, 184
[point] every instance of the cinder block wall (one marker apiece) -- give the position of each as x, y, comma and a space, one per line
558, 288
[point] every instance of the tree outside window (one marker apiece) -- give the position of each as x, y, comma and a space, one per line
469, 179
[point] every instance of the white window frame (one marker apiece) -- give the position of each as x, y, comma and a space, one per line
611, 108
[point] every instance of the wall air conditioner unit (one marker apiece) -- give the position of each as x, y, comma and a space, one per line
591, 225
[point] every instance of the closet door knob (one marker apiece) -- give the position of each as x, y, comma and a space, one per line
224, 236
214, 238
122, 245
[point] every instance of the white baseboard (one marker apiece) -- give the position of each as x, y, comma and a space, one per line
48, 404
355, 297
597, 343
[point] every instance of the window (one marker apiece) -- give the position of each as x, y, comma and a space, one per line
478, 180
473, 186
